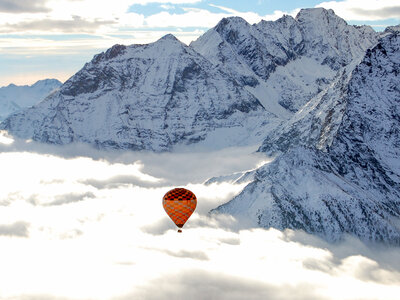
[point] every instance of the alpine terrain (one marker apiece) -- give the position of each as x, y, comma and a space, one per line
336, 168
140, 97
231, 86
14, 98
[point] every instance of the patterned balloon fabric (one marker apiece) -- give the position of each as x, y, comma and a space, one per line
179, 203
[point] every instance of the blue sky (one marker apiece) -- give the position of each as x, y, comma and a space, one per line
54, 38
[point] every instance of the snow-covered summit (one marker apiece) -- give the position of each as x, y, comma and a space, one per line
170, 37
321, 16
114, 67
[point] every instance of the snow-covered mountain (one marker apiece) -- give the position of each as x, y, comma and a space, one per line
14, 98
286, 62
233, 85
141, 97
337, 164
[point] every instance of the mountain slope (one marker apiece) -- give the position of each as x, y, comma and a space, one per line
14, 98
141, 97
337, 165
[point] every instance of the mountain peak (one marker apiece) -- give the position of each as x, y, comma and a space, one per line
393, 29
46, 82
168, 41
230, 22
169, 37
320, 17
286, 18
314, 13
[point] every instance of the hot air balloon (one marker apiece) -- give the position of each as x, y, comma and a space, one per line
179, 203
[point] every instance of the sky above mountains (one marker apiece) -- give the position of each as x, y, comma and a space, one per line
54, 38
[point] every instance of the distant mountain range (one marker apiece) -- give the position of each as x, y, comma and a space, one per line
233, 85
15, 98
320, 96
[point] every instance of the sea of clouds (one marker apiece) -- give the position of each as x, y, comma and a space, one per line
79, 223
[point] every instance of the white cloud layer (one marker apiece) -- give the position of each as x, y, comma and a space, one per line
364, 10
78, 223
21, 6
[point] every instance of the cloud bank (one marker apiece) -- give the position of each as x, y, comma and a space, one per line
21, 6
372, 10
87, 224
18, 229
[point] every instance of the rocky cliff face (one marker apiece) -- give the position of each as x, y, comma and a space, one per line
337, 166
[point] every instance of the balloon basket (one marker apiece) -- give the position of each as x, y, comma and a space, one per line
179, 230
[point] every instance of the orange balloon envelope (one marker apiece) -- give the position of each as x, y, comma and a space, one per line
179, 204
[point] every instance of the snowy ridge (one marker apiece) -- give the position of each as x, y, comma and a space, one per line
343, 174
14, 98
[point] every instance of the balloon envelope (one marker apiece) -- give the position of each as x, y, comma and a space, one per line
179, 204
